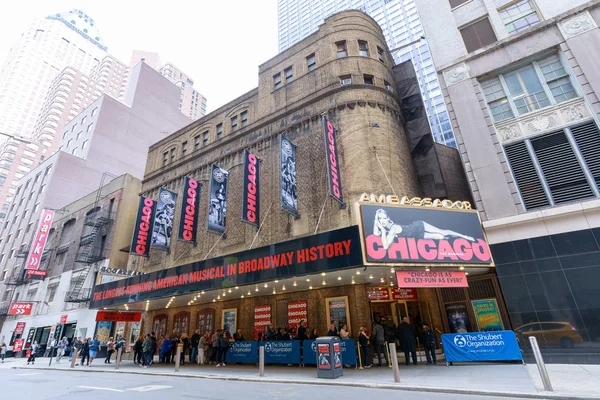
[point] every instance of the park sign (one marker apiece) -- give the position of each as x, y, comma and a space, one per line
34, 259
17, 308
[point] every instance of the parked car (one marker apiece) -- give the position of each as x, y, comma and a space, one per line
550, 334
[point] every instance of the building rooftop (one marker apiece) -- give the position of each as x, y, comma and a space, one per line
81, 23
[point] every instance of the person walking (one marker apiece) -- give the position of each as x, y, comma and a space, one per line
34, 349
110, 349
379, 336
389, 329
61, 345
85, 352
363, 341
429, 343
77, 343
408, 340
194, 343
94, 347
2, 351
138, 351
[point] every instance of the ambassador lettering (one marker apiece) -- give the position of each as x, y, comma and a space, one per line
333, 164
251, 200
190, 210
142, 236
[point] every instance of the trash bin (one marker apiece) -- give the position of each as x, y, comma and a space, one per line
329, 357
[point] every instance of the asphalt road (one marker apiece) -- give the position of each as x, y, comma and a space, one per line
35, 384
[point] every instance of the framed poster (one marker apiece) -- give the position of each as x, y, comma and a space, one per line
103, 331
229, 318
338, 311
120, 330
135, 332
487, 315
458, 317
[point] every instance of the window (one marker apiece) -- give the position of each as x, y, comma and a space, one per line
519, 16
277, 80
78, 135
388, 87
18, 235
94, 111
73, 128
478, 34
65, 134
341, 49
36, 207
380, 54
311, 62
346, 80
289, 74
234, 124
184, 149
74, 151
37, 177
172, 155
83, 120
9, 236
456, 3
363, 48
12, 253
205, 138
165, 158
42, 188
69, 143
219, 131
84, 144
368, 79
196, 142
526, 90
48, 169
51, 293
244, 116
89, 127
29, 226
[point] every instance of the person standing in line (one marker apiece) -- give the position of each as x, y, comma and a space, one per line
379, 335
148, 349
429, 343
344, 334
363, 341
301, 331
238, 337
175, 339
314, 334
186, 346
223, 348
408, 340
138, 350
164, 351
94, 347
202, 346
215, 346
34, 349
110, 349
61, 345
389, 328
194, 343
270, 332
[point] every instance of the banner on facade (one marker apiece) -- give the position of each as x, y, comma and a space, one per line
378, 293
289, 190
20, 328
333, 170
347, 349
262, 318
431, 279
114, 316
297, 311
251, 190
496, 346
34, 260
142, 232
18, 345
243, 352
217, 205
30, 336
282, 352
487, 315
163, 222
20, 308
404, 294
396, 234
190, 201
35, 274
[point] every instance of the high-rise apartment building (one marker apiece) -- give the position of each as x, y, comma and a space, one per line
41, 53
403, 31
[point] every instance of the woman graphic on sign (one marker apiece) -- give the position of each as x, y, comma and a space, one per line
385, 228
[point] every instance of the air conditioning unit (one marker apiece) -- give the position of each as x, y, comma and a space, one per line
346, 81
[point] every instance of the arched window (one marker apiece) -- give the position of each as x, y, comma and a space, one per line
206, 320
181, 322
159, 324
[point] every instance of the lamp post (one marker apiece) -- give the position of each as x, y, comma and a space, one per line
407, 44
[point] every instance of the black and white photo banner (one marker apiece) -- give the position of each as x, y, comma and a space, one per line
217, 205
163, 223
289, 190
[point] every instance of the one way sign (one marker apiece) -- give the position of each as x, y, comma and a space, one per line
20, 309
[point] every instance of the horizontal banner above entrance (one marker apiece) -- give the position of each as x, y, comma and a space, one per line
328, 251
116, 316
431, 279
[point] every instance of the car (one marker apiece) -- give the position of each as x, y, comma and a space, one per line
550, 334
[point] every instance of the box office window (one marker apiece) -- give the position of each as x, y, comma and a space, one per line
338, 310
478, 35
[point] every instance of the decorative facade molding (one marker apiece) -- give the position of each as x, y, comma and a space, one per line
577, 25
456, 74
546, 120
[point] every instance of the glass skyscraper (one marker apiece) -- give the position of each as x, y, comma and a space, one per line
401, 26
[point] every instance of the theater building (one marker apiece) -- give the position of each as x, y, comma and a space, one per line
302, 200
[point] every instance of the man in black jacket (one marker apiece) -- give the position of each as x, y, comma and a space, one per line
408, 340
194, 342
429, 343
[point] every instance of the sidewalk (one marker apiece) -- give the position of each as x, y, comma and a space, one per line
503, 380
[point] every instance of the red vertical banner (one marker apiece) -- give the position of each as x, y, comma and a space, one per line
262, 318
297, 311
39, 240
20, 328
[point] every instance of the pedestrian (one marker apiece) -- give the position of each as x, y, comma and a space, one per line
61, 345
223, 348
270, 332
215, 346
408, 340
148, 350
344, 334
165, 351
138, 350
202, 346
2, 351
238, 337
110, 349
33, 351
389, 329
379, 338
333, 330
363, 341
153, 347
429, 343
175, 339
301, 331
85, 352
120, 345
314, 334
49, 348
186, 347
77, 344
194, 343
94, 347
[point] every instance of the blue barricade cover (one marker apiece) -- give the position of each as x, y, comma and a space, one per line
348, 348
282, 351
243, 352
481, 346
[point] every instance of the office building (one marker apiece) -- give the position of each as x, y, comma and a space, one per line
520, 79
403, 32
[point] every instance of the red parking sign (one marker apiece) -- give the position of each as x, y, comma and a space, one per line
63, 319
20, 308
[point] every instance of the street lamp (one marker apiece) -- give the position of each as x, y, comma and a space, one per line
407, 44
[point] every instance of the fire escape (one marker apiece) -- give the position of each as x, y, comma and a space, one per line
93, 247
18, 278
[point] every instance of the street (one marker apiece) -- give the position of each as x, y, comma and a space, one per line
36, 384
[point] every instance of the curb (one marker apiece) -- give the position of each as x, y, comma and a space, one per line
412, 388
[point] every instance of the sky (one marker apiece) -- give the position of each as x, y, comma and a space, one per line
220, 44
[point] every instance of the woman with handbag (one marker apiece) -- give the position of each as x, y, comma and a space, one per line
110, 349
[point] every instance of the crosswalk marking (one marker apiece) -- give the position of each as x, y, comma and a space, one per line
100, 388
149, 388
